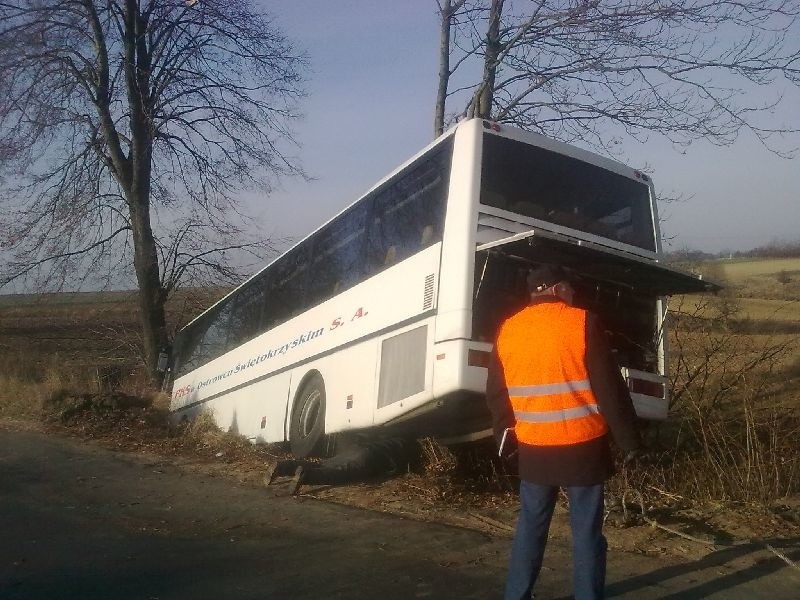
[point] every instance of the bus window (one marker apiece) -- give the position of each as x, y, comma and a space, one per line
408, 214
553, 187
205, 341
337, 253
247, 313
286, 288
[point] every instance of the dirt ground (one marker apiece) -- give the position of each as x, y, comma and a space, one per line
82, 521
426, 492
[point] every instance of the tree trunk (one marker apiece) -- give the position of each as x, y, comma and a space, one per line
145, 253
481, 105
151, 296
446, 15
145, 258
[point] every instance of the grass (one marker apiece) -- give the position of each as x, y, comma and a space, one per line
766, 310
26, 382
744, 269
769, 309
735, 421
21, 399
761, 298
80, 299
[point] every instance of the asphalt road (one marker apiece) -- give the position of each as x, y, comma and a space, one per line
81, 522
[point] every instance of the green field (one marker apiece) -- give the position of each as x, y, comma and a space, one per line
763, 290
758, 309
738, 271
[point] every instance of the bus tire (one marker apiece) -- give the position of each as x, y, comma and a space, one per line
307, 427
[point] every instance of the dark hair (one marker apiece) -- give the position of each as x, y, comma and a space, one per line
544, 276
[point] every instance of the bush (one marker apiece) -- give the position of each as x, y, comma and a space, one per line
732, 432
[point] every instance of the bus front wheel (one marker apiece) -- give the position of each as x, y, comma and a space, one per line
307, 429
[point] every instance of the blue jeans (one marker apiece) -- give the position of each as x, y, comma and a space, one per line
588, 544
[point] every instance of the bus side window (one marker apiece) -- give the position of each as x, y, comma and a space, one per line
207, 340
337, 256
286, 290
246, 315
403, 212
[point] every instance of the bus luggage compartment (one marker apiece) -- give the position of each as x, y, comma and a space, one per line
623, 289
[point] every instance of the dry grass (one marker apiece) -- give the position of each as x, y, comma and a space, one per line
203, 436
742, 270
472, 468
24, 387
735, 416
767, 279
436, 458
767, 311
21, 400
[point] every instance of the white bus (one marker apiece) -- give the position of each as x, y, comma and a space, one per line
384, 316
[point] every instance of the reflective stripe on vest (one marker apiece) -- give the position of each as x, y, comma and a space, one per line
551, 416
542, 350
548, 389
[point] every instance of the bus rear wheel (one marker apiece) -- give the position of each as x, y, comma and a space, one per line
307, 428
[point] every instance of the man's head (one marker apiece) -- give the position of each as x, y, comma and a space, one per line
550, 280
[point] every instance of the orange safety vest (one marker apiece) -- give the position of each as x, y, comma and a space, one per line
542, 350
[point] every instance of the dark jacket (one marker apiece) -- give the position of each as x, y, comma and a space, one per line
587, 463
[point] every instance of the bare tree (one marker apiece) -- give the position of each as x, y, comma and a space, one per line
588, 69
126, 126
493, 46
447, 10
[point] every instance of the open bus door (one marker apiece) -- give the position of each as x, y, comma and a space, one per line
622, 288
600, 263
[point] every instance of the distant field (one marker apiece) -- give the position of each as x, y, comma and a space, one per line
760, 309
736, 271
765, 295
67, 299
83, 328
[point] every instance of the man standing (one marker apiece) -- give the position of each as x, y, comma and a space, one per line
555, 386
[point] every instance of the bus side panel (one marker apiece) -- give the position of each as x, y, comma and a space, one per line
344, 333
452, 371
349, 396
394, 296
458, 242
224, 410
392, 301
257, 411
265, 409
394, 368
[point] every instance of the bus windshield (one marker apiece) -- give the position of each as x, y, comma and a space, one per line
559, 189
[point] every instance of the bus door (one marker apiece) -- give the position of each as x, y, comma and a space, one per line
624, 290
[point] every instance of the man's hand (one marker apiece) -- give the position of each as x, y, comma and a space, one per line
508, 444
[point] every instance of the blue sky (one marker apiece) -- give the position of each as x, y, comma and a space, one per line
370, 106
